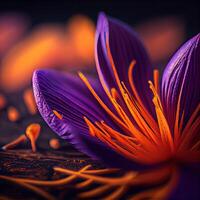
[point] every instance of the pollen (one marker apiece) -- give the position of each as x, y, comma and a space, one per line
57, 114
54, 143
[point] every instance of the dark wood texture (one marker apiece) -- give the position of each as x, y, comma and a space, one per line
22, 162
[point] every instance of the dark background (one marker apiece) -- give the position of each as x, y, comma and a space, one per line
132, 12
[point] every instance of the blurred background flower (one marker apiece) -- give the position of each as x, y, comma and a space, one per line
45, 46
40, 35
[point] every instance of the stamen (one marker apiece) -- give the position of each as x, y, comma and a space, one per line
125, 145
32, 132
13, 114
30, 101
16, 142
131, 81
57, 114
162, 122
84, 79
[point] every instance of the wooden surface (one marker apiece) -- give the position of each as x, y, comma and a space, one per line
22, 162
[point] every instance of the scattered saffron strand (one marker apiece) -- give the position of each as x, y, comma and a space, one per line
48, 183
95, 192
13, 114
160, 192
37, 190
118, 185
32, 133
83, 184
57, 114
101, 171
54, 143
11, 145
103, 180
30, 101
117, 193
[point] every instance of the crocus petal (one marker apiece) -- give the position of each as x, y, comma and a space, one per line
125, 47
67, 95
182, 75
187, 186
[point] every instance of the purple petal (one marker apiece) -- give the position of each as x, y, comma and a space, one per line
182, 74
67, 94
187, 186
125, 47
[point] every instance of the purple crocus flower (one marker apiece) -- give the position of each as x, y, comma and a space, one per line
126, 118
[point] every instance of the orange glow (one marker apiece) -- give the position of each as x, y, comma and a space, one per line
49, 46
40, 49
30, 101
32, 133
162, 37
79, 40
12, 28
54, 143
13, 114
2, 101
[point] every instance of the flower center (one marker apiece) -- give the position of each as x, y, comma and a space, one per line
140, 137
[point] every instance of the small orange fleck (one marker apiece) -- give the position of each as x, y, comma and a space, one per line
30, 101
54, 143
2, 101
57, 114
32, 133
13, 114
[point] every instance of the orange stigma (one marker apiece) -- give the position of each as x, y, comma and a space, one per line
145, 138
57, 114
32, 133
14, 143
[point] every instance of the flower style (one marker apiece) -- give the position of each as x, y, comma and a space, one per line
126, 118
